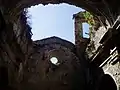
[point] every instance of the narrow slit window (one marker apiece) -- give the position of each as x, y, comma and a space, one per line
85, 30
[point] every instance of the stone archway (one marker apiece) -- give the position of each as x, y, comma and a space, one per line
107, 83
104, 8
18, 50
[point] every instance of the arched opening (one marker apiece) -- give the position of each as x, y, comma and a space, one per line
107, 83
100, 8
53, 20
22, 4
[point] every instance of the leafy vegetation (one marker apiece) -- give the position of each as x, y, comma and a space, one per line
89, 18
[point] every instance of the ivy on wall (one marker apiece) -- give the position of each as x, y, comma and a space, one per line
89, 18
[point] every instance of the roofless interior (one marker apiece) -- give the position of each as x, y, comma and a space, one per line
54, 20
18, 52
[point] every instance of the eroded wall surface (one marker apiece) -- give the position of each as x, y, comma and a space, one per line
114, 71
24, 64
15, 39
67, 74
107, 62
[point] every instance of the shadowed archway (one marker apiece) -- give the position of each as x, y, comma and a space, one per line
105, 8
11, 10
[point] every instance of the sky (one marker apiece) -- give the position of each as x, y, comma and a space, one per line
53, 20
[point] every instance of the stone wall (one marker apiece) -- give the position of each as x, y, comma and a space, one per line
92, 50
23, 63
68, 74
109, 68
114, 72
14, 43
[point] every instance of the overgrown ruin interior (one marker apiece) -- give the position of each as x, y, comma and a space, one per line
89, 64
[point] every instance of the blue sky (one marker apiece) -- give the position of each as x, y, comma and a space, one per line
53, 20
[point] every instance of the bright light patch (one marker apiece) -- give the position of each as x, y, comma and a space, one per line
53, 20
85, 30
54, 60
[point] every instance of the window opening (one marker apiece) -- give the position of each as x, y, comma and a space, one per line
85, 30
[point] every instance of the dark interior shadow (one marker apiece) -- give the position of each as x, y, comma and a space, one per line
107, 83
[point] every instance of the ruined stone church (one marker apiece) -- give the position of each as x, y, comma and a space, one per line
89, 64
